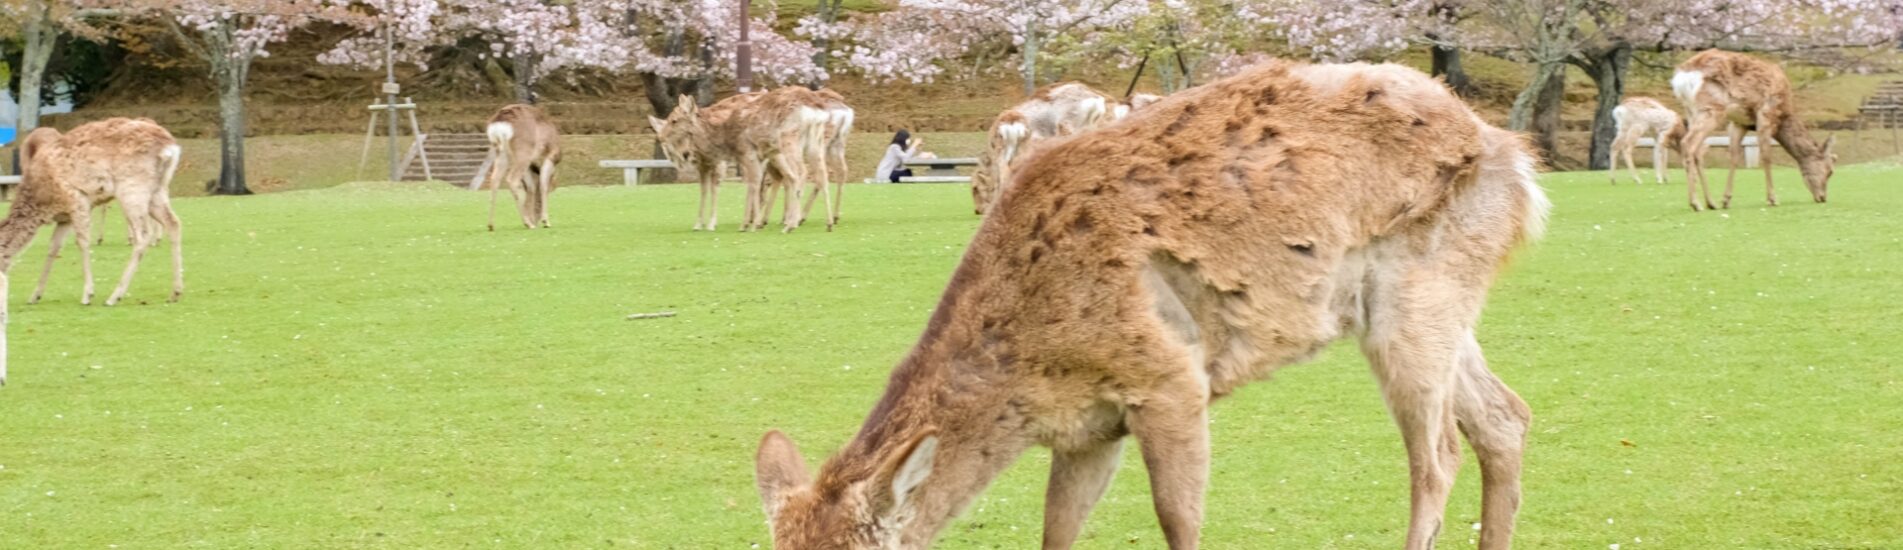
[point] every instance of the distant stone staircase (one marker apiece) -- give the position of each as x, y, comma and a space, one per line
457, 159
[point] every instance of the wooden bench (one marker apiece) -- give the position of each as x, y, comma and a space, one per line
942, 166
1750, 146
631, 169
7, 183
934, 179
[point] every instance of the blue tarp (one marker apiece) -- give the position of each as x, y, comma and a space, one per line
7, 134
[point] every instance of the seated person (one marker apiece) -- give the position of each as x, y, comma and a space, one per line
904, 148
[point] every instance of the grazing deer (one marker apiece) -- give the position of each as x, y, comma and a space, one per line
131, 160
1133, 274
839, 119
1751, 94
526, 146
1052, 111
1638, 117
778, 135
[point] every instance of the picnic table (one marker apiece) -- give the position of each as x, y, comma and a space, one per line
938, 170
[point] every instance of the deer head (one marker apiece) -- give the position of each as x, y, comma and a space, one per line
1818, 167
837, 512
677, 133
35, 142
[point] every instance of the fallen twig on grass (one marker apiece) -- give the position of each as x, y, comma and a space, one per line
656, 315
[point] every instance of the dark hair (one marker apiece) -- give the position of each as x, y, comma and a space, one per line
902, 137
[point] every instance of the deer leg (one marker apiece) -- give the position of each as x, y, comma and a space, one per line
98, 218
547, 186
1415, 365
140, 211
821, 174
796, 178
837, 166
82, 236
1495, 421
751, 172
773, 185
498, 177
59, 238
1078, 480
523, 188
168, 220
1736, 150
1173, 431
1766, 129
1658, 159
1693, 145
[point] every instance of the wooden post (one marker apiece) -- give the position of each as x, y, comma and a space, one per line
743, 51
417, 131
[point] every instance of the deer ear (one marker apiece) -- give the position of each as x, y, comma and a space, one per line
660, 126
36, 141
778, 470
1830, 146
903, 473
687, 102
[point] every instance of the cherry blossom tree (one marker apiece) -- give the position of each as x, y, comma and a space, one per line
676, 47
1600, 36
918, 39
227, 35
40, 23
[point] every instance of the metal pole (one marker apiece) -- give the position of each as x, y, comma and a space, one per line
390, 89
743, 52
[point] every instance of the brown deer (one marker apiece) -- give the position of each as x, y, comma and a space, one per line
839, 119
1052, 111
526, 146
1133, 274
1638, 117
778, 135
66, 175
1750, 94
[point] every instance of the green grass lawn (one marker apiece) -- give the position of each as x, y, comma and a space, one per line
365, 366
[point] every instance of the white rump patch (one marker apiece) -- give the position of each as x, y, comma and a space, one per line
809, 115
1013, 134
170, 152
1094, 111
1685, 85
842, 118
500, 133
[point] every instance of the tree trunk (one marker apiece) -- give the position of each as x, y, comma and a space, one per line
1446, 64
828, 13
1521, 115
231, 128
524, 77
1029, 66
1608, 70
39, 35
1546, 111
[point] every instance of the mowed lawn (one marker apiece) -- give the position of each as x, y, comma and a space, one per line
366, 366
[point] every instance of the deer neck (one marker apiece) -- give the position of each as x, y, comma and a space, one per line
1795, 137
23, 221
954, 381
